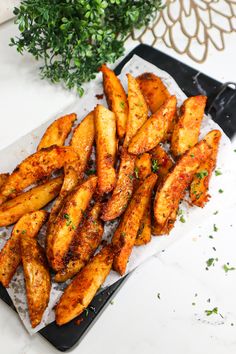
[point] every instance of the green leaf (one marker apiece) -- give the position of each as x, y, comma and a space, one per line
211, 312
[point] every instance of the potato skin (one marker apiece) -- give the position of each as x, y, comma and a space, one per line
37, 278
187, 129
84, 286
155, 129
3, 178
10, 256
200, 184
35, 199
163, 161
125, 235
116, 98
153, 90
57, 132
106, 148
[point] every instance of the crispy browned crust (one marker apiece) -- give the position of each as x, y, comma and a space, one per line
3, 178
57, 132
154, 130
153, 90
116, 98
37, 278
30, 201
86, 241
200, 184
163, 160
125, 235
84, 286
10, 256
187, 129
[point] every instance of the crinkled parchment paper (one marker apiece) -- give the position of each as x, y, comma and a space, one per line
13, 154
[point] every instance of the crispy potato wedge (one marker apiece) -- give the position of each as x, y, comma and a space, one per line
154, 129
10, 256
34, 168
174, 185
84, 286
161, 160
187, 129
57, 132
200, 183
37, 278
106, 148
142, 169
116, 99
153, 90
138, 110
86, 242
3, 178
30, 201
123, 189
125, 235
63, 229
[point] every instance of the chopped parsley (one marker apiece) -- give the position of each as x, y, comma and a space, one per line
86, 312
227, 268
136, 172
122, 104
220, 190
191, 155
91, 172
69, 221
180, 212
159, 296
218, 173
155, 166
182, 219
131, 177
112, 302
211, 312
210, 262
210, 236
193, 303
215, 228
23, 232
202, 174
216, 212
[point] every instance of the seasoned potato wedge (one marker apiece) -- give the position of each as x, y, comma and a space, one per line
123, 189
84, 286
144, 234
200, 184
106, 146
3, 178
125, 235
37, 278
174, 185
154, 129
153, 90
138, 110
10, 256
161, 161
57, 132
86, 242
116, 99
35, 167
187, 129
30, 201
62, 232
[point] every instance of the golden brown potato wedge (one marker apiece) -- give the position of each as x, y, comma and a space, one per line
200, 184
3, 178
37, 278
84, 286
144, 234
154, 129
86, 242
10, 256
62, 231
187, 129
161, 161
116, 99
106, 146
35, 167
174, 185
125, 235
153, 90
57, 132
138, 110
30, 201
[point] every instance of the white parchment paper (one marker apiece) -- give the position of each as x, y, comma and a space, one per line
16, 152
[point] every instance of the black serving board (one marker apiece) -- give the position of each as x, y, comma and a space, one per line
221, 105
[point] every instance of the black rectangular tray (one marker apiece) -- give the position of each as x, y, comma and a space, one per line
221, 105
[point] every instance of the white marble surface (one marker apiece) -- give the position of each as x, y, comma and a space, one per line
137, 321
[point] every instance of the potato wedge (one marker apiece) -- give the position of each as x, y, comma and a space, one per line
154, 129
125, 235
187, 129
200, 183
37, 278
63, 229
116, 99
123, 189
10, 256
84, 286
161, 161
142, 169
30, 201
174, 185
153, 90
144, 234
106, 146
57, 132
35, 167
3, 178
138, 110
86, 242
